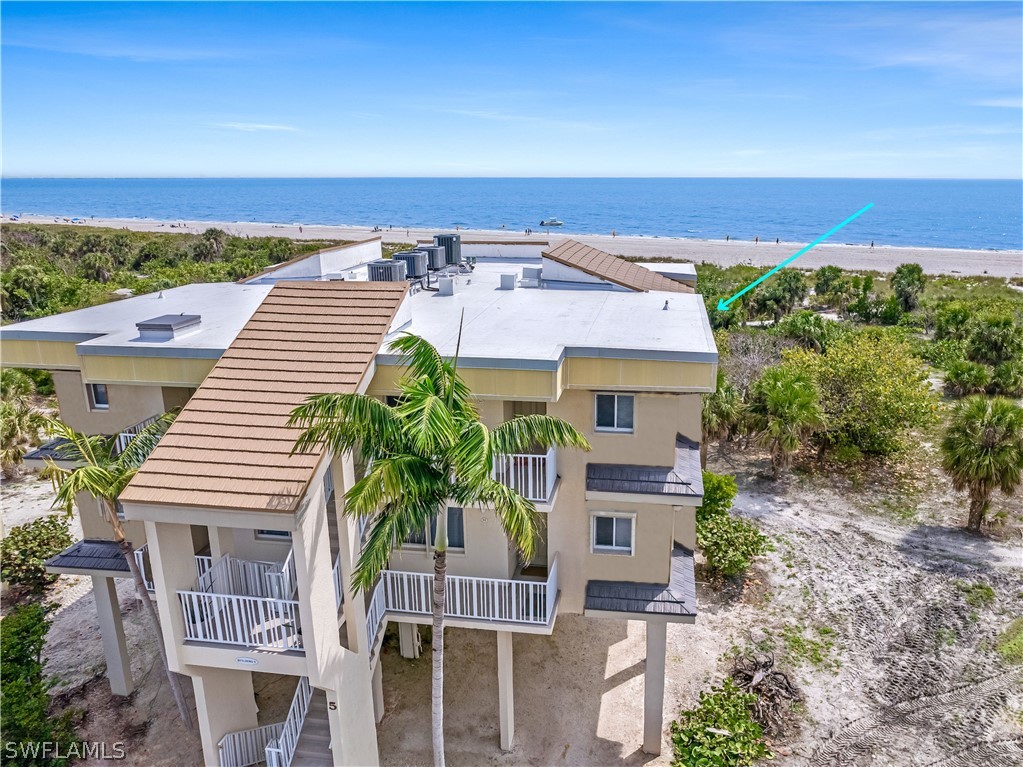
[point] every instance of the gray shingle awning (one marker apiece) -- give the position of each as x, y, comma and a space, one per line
676, 599
684, 478
47, 451
91, 555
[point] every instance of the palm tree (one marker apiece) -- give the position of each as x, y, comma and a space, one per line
722, 414
422, 452
983, 451
103, 474
20, 420
785, 411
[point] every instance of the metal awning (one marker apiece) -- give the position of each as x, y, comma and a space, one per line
685, 478
675, 600
90, 557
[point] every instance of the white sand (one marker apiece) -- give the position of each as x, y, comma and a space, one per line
1001, 263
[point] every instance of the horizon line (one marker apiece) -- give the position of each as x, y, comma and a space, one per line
506, 178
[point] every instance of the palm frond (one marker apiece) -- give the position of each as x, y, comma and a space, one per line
391, 528
518, 515
427, 421
520, 434
422, 359
142, 444
345, 422
472, 456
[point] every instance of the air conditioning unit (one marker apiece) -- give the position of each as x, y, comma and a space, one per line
416, 262
452, 246
436, 255
386, 270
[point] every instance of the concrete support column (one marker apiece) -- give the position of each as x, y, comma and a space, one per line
378, 691
221, 541
505, 689
224, 702
409, 643
653, 685
104, 591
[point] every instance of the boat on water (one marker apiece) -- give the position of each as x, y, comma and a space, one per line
551, 222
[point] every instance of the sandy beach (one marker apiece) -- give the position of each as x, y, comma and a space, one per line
1001, 263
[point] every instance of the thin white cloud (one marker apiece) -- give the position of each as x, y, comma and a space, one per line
1006, 103
254, 127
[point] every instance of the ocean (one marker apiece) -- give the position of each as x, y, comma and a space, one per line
926, 213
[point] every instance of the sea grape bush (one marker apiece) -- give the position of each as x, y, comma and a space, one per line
27, 547
720, 731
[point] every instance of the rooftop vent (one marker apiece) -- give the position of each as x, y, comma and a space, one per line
168, 326
452, 246
508, 281
416, 262
386, 270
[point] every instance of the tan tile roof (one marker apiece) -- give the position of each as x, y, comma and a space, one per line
612, 268
229, 447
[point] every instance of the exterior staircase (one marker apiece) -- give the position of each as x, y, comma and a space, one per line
313, 747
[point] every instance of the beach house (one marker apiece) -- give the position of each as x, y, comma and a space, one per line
245, 547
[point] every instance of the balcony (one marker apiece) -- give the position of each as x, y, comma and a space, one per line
532, 475
202, 564
130, 433
492, 600
244, 603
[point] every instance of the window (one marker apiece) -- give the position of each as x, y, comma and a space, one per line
456, 528
456, 531
99, 399
614, 412
613, 533
273, 535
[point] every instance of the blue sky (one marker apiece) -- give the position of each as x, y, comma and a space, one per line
575, 89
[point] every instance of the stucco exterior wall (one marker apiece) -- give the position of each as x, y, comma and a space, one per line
658, 418
487, 553
129, 404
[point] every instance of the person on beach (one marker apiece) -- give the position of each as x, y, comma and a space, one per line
777, 240
871, 244
614, 233
756, 240
727, 237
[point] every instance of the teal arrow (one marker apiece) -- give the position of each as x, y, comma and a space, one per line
723, 303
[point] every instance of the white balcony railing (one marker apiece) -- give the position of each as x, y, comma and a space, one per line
272, 743
247, 747
339, 594
281, 751
375, 615
251, 578
130, 433
202, 564
485, 599
242, 621
533, 476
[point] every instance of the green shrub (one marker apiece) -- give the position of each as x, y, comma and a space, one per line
730, 544
719, 491
1010, 643
24, 717
995, 337
27, 547
953, 321
964, 377
976, 594
720, 732
891, 311
873, 389
848, 454
943, 353
1008, 379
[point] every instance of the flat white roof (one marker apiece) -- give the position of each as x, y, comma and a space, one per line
513, 328
525, 328
110, 328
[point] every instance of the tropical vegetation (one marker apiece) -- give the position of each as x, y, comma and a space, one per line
983, 451
101, 472
720, 731
25, 549
425, 451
